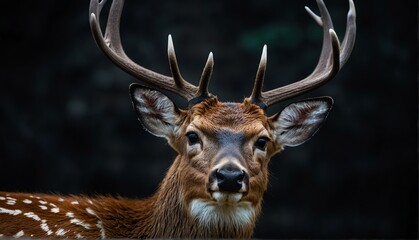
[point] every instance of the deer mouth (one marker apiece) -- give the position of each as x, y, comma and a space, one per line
226, 198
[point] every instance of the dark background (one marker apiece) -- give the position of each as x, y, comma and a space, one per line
67, 123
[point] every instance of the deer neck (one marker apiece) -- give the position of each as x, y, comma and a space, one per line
169, 217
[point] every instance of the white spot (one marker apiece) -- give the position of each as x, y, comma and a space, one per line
11, 201
60, 199
91, 212
90, 201
10, 212
33, 216
78, 222
78, 235
55, 210
19, 234
45, 227
1, 235
52, 205
31, 196
27, 201
2, 198
99, 223
38, 197
43, 207
102, 229
61, 232
42, 202
74, 202
70, 214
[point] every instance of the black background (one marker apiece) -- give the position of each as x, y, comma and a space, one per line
67, 124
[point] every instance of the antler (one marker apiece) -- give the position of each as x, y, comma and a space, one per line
332, 57
110, 44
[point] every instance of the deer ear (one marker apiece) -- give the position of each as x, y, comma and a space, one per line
301, 120
157, 113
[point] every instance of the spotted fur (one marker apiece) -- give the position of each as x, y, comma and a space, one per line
188, 203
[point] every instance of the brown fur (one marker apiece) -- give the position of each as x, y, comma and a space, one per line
166, 213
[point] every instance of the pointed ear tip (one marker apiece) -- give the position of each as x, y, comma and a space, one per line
135, 88
326, 100
329, 100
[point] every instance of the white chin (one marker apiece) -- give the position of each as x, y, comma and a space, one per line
223, 210
221, 197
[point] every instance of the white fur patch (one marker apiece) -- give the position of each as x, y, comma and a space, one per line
33, 216
70, 214
74, 202
45, 227
55, 210
19, 234
102, 229
61, 232
91, 212
78, 222
43, 207
11, 201
99, 223
212, 213
27, 201
10, 212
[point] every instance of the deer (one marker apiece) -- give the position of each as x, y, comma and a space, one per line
215, 185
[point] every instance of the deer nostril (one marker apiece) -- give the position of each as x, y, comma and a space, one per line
219, 175
241, 176
230, 180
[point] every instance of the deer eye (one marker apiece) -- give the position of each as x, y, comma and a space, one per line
261, 143
192, 138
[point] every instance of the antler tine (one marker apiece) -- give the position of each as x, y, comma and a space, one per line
350, 34
332, 58
110, 44
174, 67
326, 23
260, 75
205, 77
202, 92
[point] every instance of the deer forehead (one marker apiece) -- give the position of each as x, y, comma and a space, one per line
213, 117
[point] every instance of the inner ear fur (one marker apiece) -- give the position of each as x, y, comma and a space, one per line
299, 121
156, 112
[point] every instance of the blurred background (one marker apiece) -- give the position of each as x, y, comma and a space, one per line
67, 124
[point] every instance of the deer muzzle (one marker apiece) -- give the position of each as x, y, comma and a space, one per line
228, 183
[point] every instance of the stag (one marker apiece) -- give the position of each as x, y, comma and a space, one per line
214, 187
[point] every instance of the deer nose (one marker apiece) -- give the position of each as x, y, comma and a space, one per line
230, 180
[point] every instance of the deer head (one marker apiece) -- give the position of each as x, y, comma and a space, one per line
224, 148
